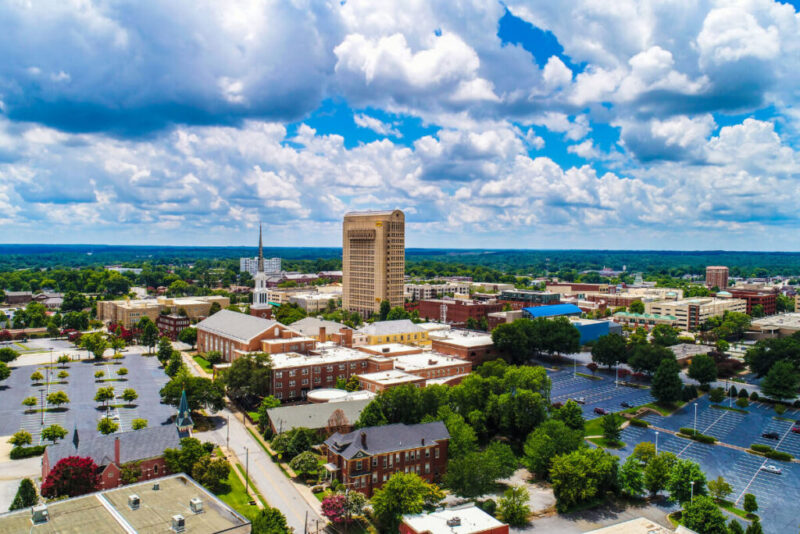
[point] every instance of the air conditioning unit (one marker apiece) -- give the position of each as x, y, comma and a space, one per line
454, 522
156, 486
178, 523
133, 501
196, 504
40, 514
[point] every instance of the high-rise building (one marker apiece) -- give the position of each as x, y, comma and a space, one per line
717, 276
373, 260
250, 265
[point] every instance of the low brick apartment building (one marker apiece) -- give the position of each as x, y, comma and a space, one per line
474, 347
413, 369
365, 459
234, 334
768, 300
456, 311
170, 325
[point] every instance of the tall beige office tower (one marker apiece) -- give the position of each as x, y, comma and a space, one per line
373, 260
717, 276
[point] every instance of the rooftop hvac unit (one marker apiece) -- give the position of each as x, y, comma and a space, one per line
454, 522
40, 514
133, 501
178, 523
196, 504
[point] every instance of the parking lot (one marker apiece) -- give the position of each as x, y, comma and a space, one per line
144, 376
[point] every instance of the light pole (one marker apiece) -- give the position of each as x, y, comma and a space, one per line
574, 368
246, 471
41, 396
656, 442
228, 432
691, 490
695, 418
616, 376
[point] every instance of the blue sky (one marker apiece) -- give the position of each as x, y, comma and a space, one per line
499, 125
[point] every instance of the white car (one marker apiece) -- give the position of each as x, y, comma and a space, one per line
113, 417
771, 469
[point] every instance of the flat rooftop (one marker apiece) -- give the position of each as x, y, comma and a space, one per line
465, 338
640, 525
108, 511
427, 360
785, 320
391, 378
470, 519
325, 356
387, 349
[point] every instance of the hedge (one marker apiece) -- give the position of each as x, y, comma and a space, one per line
688, 431
17, 453
779, 455
758, 447
639, 422
697, 436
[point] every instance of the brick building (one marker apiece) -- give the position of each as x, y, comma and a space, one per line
717, 276
768, 300
234, 334
112, 451
365, 459
474, 347
456, 311
170, 325
293, 374
521, 298
573, 288
414, 369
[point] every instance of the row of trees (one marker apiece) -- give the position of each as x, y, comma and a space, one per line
524, 339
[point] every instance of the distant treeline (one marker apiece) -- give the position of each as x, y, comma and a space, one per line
486, 265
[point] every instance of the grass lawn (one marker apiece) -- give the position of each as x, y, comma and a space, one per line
250, 482
593, 427
729, 506
666, 410
675, 519
729, 408
606, 444
236, 497
254, 416
779, 418
590, 377
202, 362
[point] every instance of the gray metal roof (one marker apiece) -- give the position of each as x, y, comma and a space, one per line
388, 328
314, 416
387, 438
235, 325
309, 326
134, 445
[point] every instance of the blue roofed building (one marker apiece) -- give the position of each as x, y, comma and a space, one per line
591, 330
553, 310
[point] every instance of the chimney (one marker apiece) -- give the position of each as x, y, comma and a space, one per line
423, 441
364, 440
348, 337
322, 335
116, 451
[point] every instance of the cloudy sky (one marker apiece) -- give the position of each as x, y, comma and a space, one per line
521, 124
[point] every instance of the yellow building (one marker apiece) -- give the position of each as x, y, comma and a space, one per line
400, 331
130, 312
373, 260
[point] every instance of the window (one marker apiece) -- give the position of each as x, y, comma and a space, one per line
329, 368
317, 369
155, 469
317, 380
374, 461
427, 468
305, 370
384, 478
292, 373
352, 366
292, 383
329, 378
279, 374
363, 364
374, 478
436, 452
384, 461
341, 367
305, 381
278, 395
358, 465
427, 453
278, 385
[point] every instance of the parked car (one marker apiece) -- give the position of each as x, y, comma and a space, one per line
601, 411
771, 469
626, 404
771, 435
580, 400
796, 429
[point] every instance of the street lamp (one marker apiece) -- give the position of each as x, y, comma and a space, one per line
656, 442
695, 418
246, 472
41, 404
691, 494
574, 368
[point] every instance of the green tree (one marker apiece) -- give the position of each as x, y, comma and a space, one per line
73, 302
719, 489
644, 452
682, 474
211, 472
637, 306
657, 472
26, 495
781, 381
754, 528
476, 473
129, 395
269, 521
646, 358
21, 438
130, 473
94, 342
304, 463
703, 369
750, 503
571, 414
104, 395
666, 386
550, 439
175, 364
30, 402
385, 308
188, 336
107, 426
215, 307
138, 424
63, 375
5, 371
513, 506
58, 398
183, 459
200, 392
734, 527
609, 350
611, 427
631, 477
149, 334
352, 384
403, 493
267, 403
398, 313
36, 376
664, 335
54, 433
582, 475
702, 515
164, 352
8, 355
249, 378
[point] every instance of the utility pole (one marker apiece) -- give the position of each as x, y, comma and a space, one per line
228, 432
695, 418
656, 442
41, 395
246, 471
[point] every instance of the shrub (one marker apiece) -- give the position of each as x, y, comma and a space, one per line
742, 402
704, 388
639, 422
758, 447
743, 393
780, 409
733, 392
796, 403
702, 438
99, 374
489, 506
754, 396
716, 395
17, 453
686, 430
779, 455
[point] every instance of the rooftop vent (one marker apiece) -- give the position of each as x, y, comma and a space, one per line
196, 504
40, 514
454, 521
385, 349
178, 523
133, 501
156, 486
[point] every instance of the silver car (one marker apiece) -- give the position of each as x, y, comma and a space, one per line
771, 469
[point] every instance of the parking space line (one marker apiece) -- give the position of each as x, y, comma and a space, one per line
759, 468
